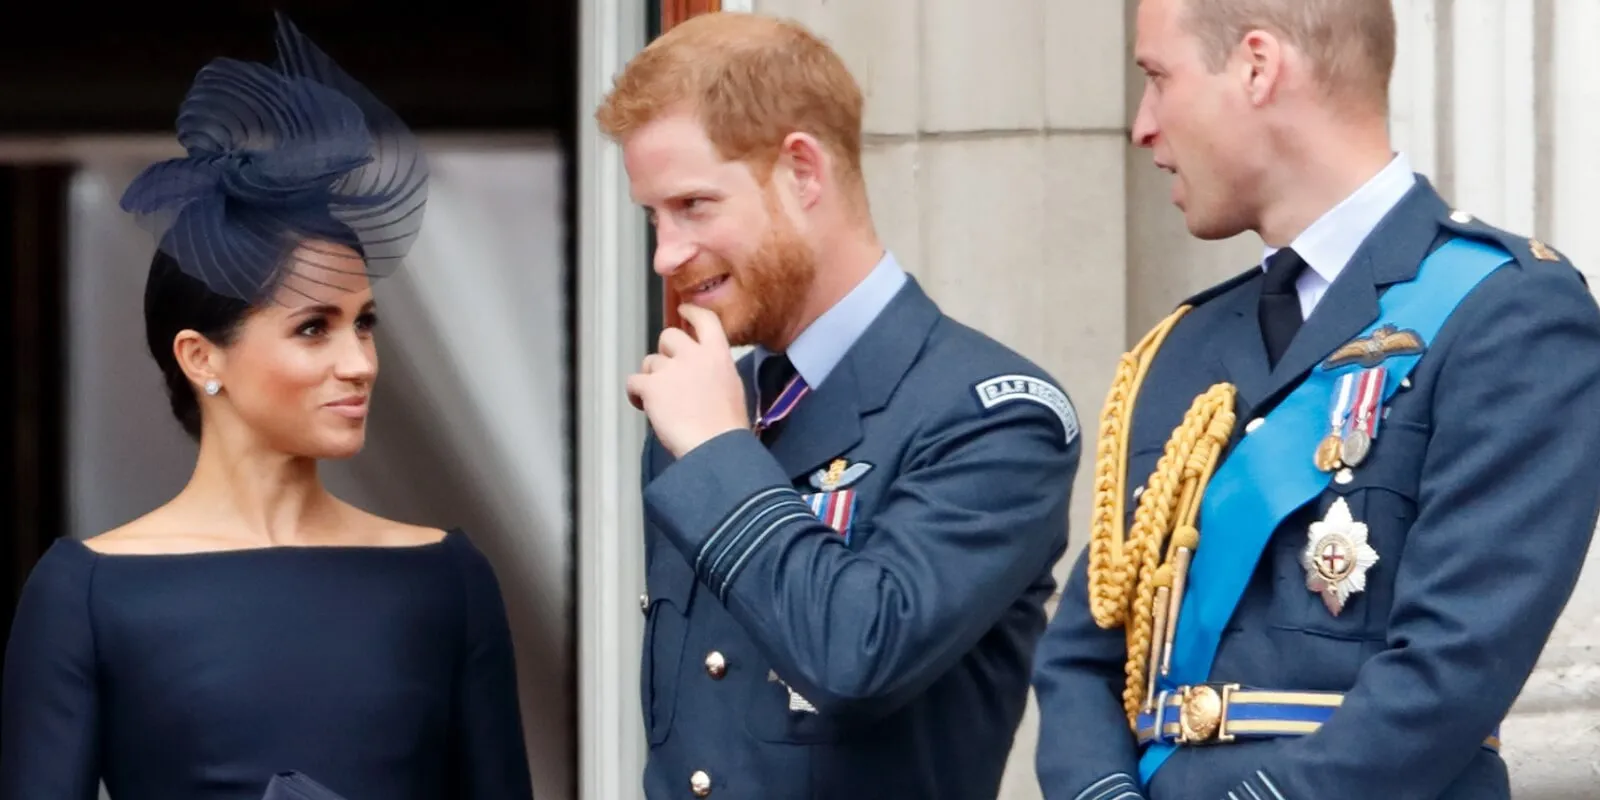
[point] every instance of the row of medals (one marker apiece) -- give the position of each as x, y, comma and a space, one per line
1340, 449
1336, 452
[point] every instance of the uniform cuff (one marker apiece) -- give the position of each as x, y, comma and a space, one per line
1119, 786
1257, 786
721, 502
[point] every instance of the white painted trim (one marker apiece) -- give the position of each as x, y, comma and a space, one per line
739, 5
1494, 115
1413, 91
611, 333
1479, 101
1576, 124
1519, 118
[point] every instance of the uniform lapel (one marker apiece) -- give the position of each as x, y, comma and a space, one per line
827, 422
1350, 304
1239, 346
1392, 253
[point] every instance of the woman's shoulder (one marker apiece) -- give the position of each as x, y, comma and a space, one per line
476, 571
479, 583
61, 577
66, 557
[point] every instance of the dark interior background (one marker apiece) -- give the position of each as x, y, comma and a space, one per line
473, 65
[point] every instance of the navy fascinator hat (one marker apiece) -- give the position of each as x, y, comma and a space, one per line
280, 157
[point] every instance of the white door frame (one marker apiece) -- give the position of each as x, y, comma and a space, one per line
612, 319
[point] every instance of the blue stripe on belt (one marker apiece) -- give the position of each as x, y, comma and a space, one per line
1221, 713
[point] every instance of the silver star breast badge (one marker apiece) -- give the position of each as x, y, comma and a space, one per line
1337, 557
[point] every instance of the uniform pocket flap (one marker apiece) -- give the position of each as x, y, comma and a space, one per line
1393, 463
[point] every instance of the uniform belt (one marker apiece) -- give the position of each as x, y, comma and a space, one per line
1217, 713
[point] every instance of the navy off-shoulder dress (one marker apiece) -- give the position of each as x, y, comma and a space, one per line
382, 673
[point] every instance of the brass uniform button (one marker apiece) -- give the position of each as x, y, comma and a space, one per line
716, 665
700, 783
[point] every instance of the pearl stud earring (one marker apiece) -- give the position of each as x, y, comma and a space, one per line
213, 386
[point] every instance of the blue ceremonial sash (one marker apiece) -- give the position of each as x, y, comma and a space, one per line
1271, 474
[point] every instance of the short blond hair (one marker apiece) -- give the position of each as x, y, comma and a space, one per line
751, 80
1350, 43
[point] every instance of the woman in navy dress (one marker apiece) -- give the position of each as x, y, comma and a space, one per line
256, 624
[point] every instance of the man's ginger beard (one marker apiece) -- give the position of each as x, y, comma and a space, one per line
766, 290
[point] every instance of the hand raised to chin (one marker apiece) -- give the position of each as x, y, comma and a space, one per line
689, 388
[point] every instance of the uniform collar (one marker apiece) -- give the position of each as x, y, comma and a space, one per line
823, 344
1329, 243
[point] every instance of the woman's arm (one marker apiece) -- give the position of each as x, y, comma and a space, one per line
49, 719
492, 759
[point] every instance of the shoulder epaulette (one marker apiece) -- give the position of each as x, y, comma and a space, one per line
1526, 250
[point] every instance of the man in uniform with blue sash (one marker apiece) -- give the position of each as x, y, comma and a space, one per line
1343, 498
850, 532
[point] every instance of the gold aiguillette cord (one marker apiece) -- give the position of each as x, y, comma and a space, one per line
1137, 580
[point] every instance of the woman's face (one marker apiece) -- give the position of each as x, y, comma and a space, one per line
300, 370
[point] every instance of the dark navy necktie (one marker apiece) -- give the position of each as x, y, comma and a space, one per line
1279, 311
774, 373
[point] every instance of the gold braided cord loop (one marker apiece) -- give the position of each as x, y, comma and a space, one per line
1171, 502
1126, 571
1110, 571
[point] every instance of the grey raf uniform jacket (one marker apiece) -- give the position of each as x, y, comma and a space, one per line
852, 613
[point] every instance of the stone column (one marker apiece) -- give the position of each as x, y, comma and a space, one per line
1570, 144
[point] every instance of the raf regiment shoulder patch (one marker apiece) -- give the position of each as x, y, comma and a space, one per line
1003, 389
1384, 343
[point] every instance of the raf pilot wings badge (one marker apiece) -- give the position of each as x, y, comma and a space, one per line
1370, 351
841, 474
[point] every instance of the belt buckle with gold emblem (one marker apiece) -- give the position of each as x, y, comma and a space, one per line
1203, 714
